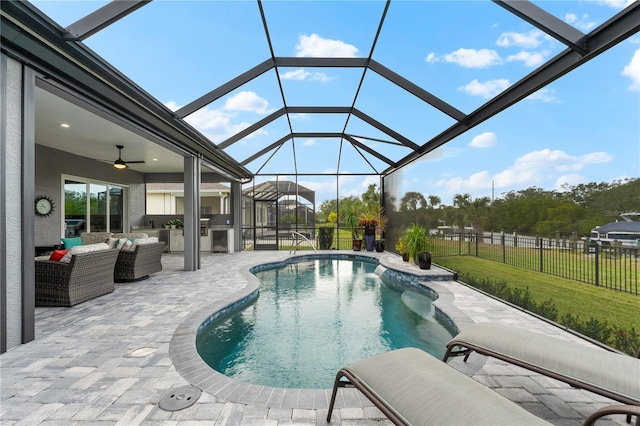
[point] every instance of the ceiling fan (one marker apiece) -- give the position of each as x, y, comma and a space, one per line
120, 163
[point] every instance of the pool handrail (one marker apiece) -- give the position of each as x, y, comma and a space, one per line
297, 242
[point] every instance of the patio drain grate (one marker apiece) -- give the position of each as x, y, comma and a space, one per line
180, 398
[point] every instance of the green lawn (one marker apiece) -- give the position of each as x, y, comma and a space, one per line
621, 272
576, 298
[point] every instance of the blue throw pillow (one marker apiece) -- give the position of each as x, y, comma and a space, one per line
71, 242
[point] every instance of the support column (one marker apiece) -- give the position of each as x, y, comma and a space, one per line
236, 214
192, 168
17, 158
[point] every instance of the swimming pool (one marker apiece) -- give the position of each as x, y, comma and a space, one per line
314, 316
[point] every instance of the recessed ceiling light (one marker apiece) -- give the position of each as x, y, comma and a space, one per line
155, 159
65, 125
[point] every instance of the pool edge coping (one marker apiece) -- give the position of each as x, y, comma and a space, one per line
195, 371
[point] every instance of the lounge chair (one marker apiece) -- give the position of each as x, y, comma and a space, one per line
411, 387
610, 374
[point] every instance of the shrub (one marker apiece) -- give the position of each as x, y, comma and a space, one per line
627, 341
325, 237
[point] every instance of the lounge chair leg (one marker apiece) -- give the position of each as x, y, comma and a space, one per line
336, 384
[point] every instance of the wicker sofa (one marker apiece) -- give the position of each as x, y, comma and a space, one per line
138, 264
86, 276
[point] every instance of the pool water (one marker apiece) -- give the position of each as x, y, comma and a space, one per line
312, 318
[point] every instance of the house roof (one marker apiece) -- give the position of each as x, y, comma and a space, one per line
623, 226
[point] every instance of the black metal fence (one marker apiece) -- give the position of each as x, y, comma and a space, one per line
610, 265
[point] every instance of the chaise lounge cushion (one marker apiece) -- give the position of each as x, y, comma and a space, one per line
422, 390
610, 374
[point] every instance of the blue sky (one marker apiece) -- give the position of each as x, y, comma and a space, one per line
584, 127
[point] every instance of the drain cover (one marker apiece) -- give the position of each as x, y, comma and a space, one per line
180, 398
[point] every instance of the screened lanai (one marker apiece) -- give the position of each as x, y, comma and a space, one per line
414, 97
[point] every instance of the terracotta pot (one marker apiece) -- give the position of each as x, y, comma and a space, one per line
357, 245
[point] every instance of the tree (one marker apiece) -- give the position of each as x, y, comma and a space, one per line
413, 204
371, 198
434, 201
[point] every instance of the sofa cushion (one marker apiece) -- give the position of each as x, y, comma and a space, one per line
71, 242
84, 249
149, 240
126, 245
95, 237
57, 255
130, 235
112, 242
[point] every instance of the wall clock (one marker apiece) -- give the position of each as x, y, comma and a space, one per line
44, 206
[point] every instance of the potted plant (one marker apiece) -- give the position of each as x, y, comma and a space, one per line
350, 220
401, 249
368, 222
381, 225
416, 244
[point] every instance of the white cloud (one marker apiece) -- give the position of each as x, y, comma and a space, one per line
487, 90
431, 58
300, 116
472, 58
484, 140
216, 124
571, 180
246, 101
582, 23
545, 95
530, 59
477, 181
533, 167
616, 4
302, 75
632, 70
537, 168
309, 142
526, 40
317, 47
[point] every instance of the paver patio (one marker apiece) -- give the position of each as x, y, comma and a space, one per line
107, 361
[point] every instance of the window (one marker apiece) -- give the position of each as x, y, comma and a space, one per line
93, 206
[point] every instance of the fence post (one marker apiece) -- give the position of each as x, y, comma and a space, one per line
477, 237
504, 254
597, 262
541, 251
515, 238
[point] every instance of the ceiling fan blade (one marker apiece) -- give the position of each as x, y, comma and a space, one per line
133, 162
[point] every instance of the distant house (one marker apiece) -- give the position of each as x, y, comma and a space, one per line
168, 198
627, 232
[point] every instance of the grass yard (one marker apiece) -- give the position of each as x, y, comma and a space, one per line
577, 298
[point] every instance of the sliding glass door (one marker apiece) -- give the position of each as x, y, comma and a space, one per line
93, 207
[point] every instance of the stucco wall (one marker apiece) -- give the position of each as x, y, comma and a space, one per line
11, 174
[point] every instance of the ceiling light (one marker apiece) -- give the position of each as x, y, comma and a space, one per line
119, 164
65, 125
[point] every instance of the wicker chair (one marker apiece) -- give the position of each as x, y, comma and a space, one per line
86, 276
144, 260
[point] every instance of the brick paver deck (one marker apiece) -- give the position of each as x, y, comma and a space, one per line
107, 361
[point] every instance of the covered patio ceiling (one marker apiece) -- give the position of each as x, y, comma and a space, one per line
282, 108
